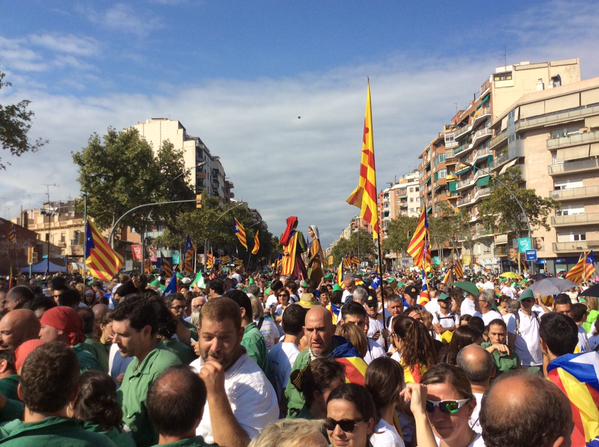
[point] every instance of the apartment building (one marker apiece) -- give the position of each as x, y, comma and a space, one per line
456, 165
400, 198
552, 135
60, 223
207, 172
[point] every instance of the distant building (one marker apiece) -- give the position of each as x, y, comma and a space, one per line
456, 165
60, 224
209, 177
402, 198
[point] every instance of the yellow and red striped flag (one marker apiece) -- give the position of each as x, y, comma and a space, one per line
458, 269
101, 260
256, 248
583, 270
448, 278
240, 233
210, 261
340, 274
365, 196
419, 248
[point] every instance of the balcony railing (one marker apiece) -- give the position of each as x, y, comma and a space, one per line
576, 219
473, 197
463, 131
576, 193
574, 166
554, 117
483, 133
473, 179
589, 137
575, 246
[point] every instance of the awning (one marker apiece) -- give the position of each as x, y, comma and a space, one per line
483, 181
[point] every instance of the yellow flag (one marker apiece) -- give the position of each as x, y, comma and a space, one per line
256, 248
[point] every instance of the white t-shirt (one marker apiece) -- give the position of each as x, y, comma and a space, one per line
528, 341
271, 301
385, 435
253, 399
280, 361
346, 294
374, 351
270, 332
374, 326
468, 308
448, 322
474, 417
490, 316
508, 291
432, 306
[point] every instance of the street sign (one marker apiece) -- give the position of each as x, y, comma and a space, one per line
524, 244
531, 255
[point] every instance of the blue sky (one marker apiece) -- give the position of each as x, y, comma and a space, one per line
237, 74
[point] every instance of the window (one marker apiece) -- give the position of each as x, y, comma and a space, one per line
505, 76
417, 188
556, 81
579, 237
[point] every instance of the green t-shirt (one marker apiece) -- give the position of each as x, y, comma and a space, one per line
254, 344
295, 398
185, 352
98, 350
119, 437
503, 362
198, 441
8, 387
134, 391
87, 361
51, 432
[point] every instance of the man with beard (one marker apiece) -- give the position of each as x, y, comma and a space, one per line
240, 399
134, 325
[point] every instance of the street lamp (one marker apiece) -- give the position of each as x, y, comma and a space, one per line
512, 195
48, 212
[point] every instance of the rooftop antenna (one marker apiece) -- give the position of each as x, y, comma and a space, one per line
505, 57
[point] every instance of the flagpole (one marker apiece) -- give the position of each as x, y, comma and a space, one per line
382, 285
84, 235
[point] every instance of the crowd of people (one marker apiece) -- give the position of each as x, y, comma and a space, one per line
262, 360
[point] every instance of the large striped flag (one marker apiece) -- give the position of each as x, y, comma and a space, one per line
577, 376
240, 233
256, 248
210, 261
101, 260
458, 269
583, 270
419, 247
165, 266
188, 255
365, 196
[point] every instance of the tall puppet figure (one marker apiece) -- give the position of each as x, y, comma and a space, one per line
294, 245
315, 257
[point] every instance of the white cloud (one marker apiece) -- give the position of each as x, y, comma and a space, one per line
122, 18
67, 44
280, 164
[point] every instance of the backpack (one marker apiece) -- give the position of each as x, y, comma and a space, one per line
535, 314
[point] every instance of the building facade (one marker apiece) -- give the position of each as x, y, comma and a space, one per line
456, 166
401, 198
207, 172
552, 136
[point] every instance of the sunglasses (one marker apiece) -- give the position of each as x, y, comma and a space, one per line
446, 406
347, 425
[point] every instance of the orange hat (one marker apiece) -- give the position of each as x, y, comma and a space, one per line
23, 351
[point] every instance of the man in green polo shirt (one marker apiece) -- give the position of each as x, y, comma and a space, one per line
176, 404
49, 380
252, 340
134, 325
505, 357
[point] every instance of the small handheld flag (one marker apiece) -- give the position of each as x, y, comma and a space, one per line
188, 253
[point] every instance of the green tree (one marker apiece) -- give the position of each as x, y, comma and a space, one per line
398, 234
359, 244
15, 123
500, 212
119, 171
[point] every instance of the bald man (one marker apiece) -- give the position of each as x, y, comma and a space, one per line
175, 405
16, 327
322, 342
479, 367
523, 410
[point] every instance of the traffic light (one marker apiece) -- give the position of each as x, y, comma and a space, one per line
198, 201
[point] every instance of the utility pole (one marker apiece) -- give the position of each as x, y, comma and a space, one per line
49, 213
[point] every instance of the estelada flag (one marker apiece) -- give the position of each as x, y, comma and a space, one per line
583, 270
576, 376
256, 248
101, 260
239, 230
365, 195
355, 366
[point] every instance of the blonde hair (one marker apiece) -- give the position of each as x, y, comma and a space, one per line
289, 433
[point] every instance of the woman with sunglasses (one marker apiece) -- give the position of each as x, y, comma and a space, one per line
283, 298
351, 416
449, 404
